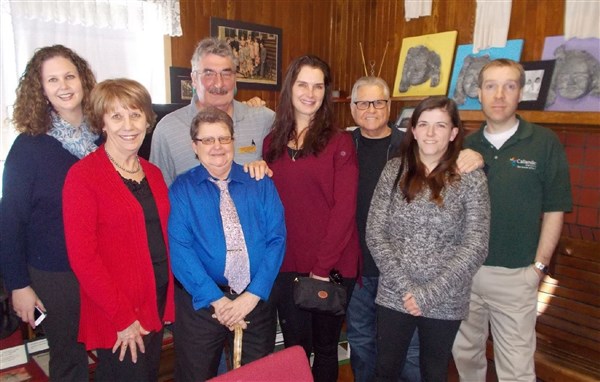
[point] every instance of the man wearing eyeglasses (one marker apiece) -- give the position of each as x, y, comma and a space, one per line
214, 82
376, 143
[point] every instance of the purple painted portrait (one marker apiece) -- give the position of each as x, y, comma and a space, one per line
576, 80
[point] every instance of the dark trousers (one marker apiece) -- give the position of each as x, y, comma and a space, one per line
59, 291
110, 369
318, 333
394, 333
199, 338
361, 325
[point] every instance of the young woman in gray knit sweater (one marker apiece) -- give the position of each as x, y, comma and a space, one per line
427, 230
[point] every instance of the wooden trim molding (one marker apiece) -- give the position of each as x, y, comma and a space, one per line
586, 120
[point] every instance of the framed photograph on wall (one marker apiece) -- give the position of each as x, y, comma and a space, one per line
181, 85
403, 120
538, 76
258, 51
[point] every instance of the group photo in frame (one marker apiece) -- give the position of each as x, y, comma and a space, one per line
182, 90
257, 49
538, 76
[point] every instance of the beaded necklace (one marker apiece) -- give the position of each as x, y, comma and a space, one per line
139, 166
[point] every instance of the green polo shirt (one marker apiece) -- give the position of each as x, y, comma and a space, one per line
527, 176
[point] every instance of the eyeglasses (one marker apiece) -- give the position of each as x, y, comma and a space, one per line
211, 75
208, 141
377, 104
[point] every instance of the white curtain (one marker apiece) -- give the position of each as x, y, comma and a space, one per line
133, 15
414, 9
492, 19
582, 18
118, 39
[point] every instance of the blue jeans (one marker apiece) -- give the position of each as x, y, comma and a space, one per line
362, 335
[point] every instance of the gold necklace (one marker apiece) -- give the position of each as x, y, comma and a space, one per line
139, 166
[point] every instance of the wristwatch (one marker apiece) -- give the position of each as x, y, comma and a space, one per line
542, 267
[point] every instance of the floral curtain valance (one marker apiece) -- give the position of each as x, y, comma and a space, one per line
138, 15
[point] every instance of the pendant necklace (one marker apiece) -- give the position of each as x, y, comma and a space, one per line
139, 166
296, 150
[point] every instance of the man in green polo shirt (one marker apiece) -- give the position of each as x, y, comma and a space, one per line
529, 187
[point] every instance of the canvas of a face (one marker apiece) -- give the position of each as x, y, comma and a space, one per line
573, 79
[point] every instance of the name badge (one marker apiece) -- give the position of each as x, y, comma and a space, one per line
247, 149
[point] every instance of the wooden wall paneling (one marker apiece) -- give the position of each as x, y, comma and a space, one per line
333, 28
533, 21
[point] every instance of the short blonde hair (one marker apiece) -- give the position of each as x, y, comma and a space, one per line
128, 93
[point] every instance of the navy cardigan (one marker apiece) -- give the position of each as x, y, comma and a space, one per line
31, 220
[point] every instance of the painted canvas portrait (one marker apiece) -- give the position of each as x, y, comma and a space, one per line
424, 65
575, 82
463, 87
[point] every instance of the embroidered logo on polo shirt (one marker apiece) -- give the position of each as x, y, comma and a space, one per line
523, 163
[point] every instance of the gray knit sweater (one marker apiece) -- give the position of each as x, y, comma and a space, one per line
431, 251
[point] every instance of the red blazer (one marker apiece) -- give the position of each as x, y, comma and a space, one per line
108, 249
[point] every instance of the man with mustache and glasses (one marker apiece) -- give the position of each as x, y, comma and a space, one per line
214, 81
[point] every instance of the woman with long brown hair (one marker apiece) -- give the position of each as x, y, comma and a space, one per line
427, 230
316, 174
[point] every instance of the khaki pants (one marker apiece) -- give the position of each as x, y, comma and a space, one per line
506, 300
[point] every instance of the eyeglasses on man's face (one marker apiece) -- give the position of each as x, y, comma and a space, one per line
210, 75
377, 104
211, 140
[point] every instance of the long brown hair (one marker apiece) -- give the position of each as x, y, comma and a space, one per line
415, 177
321, 127
31, 112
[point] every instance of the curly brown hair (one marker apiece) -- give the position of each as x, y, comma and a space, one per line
31, 112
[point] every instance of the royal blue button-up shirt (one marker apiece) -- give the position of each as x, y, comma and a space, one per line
197, 241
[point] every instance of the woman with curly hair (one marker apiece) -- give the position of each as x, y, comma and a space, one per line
315, 171
52, 96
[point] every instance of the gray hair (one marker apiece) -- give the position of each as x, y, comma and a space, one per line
372, 81
212, 45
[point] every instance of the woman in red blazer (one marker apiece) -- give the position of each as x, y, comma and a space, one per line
115, 207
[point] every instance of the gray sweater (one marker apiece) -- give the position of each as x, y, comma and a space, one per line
431, 251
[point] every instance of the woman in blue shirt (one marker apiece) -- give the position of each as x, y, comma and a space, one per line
214, 300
